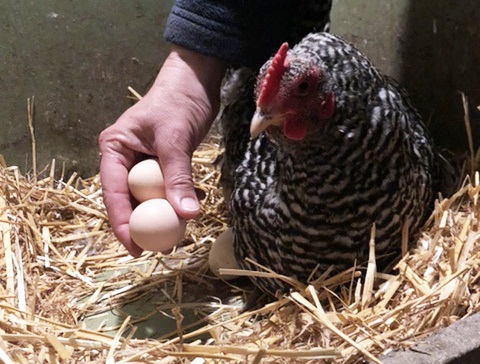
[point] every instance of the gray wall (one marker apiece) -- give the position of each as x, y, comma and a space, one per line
78, 58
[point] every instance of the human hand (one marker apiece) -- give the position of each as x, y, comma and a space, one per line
169, 122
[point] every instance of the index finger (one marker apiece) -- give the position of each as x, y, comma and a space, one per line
114, 174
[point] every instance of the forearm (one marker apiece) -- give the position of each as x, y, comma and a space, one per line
208, 70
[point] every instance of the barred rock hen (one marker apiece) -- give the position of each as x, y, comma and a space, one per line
335, 148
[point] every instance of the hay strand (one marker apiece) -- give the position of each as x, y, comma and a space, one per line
468, 130
31, 128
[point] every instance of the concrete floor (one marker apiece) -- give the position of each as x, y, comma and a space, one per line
457, 344
78, 58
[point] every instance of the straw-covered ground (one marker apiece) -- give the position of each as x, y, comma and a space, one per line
60, 264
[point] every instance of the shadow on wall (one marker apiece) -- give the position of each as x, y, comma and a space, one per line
440, 59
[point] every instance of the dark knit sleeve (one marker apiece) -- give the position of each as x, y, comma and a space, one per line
241, 32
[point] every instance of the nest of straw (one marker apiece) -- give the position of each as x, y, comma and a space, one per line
60, 264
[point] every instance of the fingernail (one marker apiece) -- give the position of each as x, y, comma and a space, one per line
189, 204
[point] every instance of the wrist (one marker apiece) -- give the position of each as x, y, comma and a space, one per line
208, 70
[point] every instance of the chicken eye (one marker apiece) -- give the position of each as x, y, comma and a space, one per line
302, 89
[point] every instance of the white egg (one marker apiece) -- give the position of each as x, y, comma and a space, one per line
145, 180
155, 226
222, 255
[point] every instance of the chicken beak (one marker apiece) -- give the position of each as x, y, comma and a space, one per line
261, 121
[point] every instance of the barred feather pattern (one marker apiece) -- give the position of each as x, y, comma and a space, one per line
299, 207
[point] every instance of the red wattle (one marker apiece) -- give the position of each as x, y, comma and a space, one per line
295, 129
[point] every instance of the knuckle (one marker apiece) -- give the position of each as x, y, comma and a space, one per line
181, 180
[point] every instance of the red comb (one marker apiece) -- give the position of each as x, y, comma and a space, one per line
271, 83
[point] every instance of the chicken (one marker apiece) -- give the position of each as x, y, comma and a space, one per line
319, 150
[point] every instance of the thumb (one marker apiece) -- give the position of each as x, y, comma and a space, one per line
177, 173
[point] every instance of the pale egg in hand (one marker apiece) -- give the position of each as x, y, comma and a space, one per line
155, 226
145, 180
222, 255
